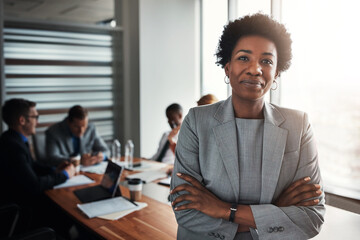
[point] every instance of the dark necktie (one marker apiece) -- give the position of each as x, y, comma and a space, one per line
163, 151
76, 145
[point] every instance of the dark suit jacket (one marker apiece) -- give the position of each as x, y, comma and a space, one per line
21, 179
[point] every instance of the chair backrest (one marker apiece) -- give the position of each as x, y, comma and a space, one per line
9, 214
44, 233
39, 142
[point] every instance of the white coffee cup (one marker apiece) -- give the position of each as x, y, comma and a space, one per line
135, 187
76, 162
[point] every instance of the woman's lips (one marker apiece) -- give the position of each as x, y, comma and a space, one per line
252, 83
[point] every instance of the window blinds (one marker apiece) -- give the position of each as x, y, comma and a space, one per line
61, 68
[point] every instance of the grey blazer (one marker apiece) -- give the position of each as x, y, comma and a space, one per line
59, 145
207, 149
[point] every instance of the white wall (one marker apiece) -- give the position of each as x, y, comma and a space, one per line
169, 64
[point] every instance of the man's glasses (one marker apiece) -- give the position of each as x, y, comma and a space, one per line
34, 116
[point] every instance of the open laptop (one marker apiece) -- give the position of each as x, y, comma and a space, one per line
108, 188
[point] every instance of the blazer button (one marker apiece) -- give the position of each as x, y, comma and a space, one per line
270, 230
276, 229
217, 235
222, 237
281, 229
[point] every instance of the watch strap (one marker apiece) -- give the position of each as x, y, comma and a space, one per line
233, 210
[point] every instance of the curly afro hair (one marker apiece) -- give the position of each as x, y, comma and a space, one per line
260, 25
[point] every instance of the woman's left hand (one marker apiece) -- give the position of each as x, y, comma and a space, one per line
199, 198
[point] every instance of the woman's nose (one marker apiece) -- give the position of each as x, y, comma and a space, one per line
254, 69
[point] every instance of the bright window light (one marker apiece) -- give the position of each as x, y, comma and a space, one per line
324, 82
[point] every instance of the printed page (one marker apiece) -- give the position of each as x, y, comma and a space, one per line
107, 206
75, 181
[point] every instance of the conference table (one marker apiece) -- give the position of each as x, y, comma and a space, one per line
156, 221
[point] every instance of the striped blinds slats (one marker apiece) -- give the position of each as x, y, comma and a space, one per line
56, 52
59, 69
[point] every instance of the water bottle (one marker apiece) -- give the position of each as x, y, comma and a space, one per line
129, 154
116, 151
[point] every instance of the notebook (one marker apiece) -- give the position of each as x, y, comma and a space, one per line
107, 189
148, 176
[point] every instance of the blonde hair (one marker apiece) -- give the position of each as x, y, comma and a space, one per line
207, 99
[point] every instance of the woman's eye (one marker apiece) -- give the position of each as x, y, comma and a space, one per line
243, 58
267, 61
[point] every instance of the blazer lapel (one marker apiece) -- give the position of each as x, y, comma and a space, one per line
273, 151
226, 140
70, 144
67, 135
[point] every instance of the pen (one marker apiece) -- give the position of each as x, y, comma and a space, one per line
133, 203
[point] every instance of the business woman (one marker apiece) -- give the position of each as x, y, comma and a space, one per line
245, 168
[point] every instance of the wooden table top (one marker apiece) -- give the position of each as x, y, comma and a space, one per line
156, 221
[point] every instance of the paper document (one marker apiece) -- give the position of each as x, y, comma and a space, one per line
107, 206
165, 181
75, 181
97, 168
117, 215
150, 166
157, 192
148, 176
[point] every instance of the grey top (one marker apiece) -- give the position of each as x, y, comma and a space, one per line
250, 134
250, 141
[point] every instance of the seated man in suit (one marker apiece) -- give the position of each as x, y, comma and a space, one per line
166, 150
23, 181
75, 136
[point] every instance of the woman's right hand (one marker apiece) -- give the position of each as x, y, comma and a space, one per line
173, 133
298, 193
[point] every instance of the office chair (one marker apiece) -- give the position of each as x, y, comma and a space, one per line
37, 234
9, 215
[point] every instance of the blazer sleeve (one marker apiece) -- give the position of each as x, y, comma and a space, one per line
99, 144
187, 161
26, 176
53, 153
296, 222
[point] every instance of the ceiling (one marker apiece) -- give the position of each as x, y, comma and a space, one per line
74, 11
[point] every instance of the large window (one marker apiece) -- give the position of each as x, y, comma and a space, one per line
323, 81
213, 18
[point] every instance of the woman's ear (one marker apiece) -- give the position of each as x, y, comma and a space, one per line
277, 74
226, 68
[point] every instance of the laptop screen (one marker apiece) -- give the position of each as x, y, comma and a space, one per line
111, 178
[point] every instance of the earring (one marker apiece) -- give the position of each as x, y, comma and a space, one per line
228, 79
276, 85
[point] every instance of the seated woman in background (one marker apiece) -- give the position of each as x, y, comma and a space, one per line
204, 100
252, 166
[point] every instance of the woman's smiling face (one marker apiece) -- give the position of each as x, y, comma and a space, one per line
252, 68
